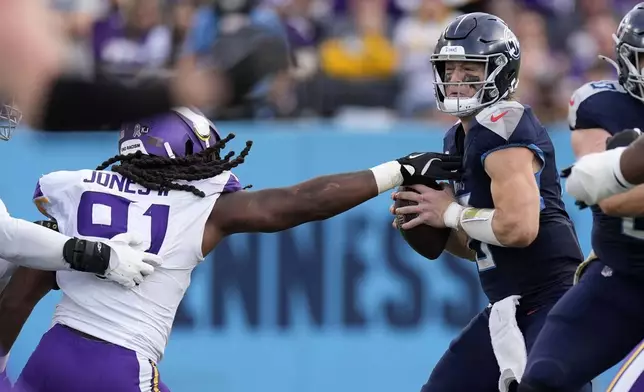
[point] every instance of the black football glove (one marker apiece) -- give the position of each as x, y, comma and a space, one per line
623, 138
428, 167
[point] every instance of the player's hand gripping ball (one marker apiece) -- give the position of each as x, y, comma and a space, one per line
425, 240
425, 168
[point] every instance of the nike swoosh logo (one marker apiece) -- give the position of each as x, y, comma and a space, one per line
494, 118
426, 167
412, 156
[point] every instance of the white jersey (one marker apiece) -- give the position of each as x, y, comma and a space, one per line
102, 204
6, 268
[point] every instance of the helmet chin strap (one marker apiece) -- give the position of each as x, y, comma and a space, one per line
624, 80
609, 60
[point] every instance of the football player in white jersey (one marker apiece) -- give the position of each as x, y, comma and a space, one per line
26, 244
173, 188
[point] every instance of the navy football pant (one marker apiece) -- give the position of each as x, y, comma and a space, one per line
592, 327
470, 365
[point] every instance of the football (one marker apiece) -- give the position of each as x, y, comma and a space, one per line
427, 241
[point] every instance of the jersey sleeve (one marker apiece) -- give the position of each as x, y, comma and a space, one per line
588, 105
40, 200
50, 193
506, 125
226, 182
3, 210
232, 185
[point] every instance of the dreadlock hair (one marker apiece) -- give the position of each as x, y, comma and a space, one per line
158, 173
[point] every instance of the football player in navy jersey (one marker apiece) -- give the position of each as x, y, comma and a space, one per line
598, 175
601, 319
506, 214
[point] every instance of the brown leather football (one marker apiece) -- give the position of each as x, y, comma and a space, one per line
426, 240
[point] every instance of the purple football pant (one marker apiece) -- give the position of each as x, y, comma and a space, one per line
630, 377
5, 384
65, 361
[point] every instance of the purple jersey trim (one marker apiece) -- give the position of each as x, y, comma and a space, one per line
38, 192
232, 185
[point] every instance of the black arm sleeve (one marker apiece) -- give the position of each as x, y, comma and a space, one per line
76, 104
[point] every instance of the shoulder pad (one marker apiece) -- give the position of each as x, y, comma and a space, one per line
62, 177
501, 118
586, 91
232, 184
225, 182
50, 188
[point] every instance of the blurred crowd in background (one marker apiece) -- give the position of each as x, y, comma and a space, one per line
369, 57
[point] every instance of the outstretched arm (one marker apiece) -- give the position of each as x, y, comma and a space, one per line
272, 210
29, 245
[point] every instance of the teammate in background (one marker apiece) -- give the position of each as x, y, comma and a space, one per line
600, 320
599, 175
174, 188
507, 213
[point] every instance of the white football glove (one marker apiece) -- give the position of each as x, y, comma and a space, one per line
597, 176
129, 265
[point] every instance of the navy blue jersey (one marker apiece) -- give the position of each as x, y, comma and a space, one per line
543, 270
619, 242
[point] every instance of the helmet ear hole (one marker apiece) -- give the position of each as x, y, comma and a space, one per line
189, 148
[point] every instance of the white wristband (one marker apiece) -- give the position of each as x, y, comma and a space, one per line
387, 175
452, 215
617, 170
